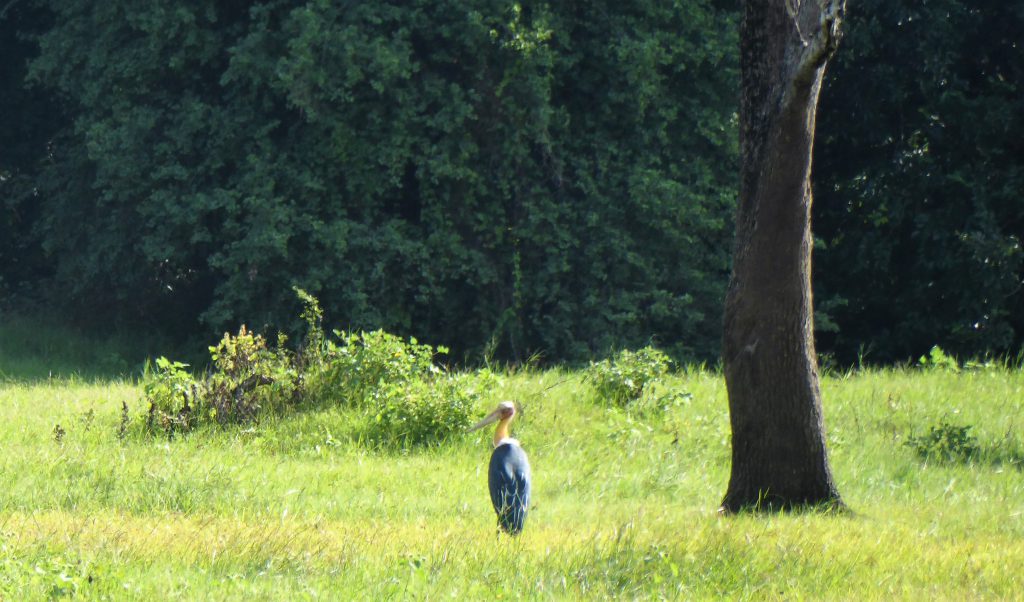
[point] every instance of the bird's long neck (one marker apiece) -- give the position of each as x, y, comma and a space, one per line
502, 431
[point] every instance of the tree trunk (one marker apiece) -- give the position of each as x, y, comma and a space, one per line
779, 459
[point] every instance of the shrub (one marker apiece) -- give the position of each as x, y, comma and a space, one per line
360, 366
247, 377
945, 443
406, 397
171, 392
937, 359
423, 412
625, 378
410, 400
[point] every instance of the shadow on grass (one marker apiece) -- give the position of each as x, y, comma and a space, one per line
1006, 453
769, 506
36, 349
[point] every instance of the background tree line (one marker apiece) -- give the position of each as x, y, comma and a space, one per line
503, 178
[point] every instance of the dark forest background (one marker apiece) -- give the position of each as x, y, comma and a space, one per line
502, 178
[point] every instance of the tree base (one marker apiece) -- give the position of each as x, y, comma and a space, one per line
832, 504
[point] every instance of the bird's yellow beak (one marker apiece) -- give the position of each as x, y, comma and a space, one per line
492, 417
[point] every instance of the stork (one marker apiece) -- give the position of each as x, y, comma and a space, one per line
508, 476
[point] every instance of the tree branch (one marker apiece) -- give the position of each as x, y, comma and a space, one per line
823, 45
793, 10
821, 18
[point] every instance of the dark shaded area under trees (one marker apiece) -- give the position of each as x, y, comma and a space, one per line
500, 178
919, 174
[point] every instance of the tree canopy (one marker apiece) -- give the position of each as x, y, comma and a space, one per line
919, 172
503, 178
500, 177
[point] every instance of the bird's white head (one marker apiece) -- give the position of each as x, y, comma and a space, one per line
503, 415
505, 411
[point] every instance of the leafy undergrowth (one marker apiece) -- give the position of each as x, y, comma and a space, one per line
296, 506
405, 398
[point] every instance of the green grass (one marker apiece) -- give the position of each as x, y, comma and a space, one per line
34, 348
624, 503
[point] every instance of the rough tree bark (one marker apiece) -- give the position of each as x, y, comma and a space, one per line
779, 458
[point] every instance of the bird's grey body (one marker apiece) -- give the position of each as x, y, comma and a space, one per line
508, 478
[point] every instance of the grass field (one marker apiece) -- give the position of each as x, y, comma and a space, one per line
624, 502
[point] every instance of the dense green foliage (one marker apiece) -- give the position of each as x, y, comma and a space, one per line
919, 171
29, 119
500, 177
503, 178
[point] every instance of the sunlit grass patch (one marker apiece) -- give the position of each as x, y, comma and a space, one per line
624, 506
783, 557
